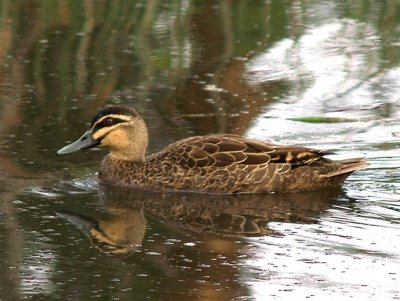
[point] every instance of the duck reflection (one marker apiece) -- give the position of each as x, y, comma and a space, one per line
122, 231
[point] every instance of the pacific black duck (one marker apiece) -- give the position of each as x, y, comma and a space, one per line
219, 163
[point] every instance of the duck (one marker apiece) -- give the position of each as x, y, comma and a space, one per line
214, 163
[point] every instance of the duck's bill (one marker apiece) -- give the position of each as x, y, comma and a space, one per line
84, 142
82, 222
396, 134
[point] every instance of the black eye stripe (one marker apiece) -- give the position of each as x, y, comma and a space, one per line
106, 123
115, 110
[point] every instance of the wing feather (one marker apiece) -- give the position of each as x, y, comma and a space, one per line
227, 150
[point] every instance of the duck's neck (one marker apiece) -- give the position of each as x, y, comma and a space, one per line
131, 147
127, 156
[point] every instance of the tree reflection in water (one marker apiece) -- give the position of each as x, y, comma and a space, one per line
188, 66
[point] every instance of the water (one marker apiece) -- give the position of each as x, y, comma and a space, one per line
322, 74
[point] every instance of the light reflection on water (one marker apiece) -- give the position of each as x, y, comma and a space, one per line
194, 68
344, 251
310, 244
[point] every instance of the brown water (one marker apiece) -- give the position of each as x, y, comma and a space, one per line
323, 74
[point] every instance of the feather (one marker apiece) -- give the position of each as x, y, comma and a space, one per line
221, 163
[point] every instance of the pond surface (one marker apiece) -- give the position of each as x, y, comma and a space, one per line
324, 74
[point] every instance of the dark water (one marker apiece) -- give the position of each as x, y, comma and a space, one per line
317, 73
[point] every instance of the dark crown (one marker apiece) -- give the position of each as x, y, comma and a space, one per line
115, 109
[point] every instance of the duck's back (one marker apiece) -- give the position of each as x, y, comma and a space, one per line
230, 164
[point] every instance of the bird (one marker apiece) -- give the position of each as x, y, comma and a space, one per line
214, 163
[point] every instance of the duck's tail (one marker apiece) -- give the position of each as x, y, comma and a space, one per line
348, 166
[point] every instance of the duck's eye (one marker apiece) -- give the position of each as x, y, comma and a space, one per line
108, 121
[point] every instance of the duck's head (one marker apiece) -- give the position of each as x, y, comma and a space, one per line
120, 128
119, 234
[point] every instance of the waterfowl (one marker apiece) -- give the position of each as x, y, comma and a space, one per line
220, 163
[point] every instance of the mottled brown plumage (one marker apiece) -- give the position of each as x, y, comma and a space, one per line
215, 163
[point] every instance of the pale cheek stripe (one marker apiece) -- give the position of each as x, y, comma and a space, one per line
102, 132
